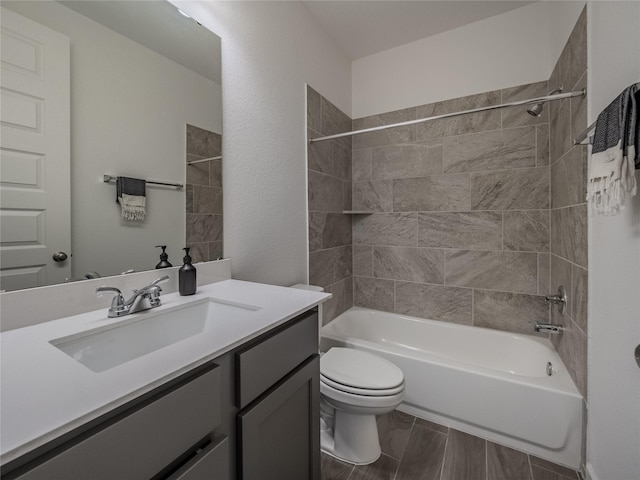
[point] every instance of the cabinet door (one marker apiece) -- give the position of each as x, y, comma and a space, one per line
279, 434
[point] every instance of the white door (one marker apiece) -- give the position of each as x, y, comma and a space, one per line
34, 154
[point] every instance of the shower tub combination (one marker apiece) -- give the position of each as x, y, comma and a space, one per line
492, 384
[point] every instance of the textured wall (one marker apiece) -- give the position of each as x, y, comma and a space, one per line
329, 190
614, 266
460, 229
270, 50
204, 195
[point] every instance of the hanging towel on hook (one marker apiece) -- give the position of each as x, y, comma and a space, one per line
131, 195
615, 154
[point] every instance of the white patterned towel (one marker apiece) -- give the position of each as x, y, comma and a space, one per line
615, 154
131, 195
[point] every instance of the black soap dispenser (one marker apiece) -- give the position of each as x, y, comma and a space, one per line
164, 263
187, 276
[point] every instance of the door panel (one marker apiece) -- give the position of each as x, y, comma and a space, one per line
34, 154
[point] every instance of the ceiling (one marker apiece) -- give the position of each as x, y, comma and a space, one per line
359, 27
158, 26
365, 27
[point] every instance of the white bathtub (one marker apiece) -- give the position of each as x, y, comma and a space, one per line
488, 383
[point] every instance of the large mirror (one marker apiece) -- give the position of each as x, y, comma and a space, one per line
95, 88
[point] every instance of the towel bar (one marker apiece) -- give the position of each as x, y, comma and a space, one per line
112, 178
583, 138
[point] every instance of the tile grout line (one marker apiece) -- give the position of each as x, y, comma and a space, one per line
530, 466
486, 460
444, 454
353, 469
404, 450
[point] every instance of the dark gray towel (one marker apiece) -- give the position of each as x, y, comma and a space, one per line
132, 199
130, 186
619, 123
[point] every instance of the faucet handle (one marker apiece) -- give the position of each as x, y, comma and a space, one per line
152, 291
153, 286
155, 290
101, 290
117, 304
164, 278
560, 299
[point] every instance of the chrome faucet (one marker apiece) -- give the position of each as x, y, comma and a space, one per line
142, 299
560, 299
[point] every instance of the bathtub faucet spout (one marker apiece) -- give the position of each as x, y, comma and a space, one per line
549, 328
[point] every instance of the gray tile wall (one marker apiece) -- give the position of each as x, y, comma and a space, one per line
204, 195
461, 229
475, 218
568, 176
329, 193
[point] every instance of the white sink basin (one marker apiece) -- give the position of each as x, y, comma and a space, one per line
142, 333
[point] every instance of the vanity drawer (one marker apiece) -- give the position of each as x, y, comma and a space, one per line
210, 462
143, 439
270, 359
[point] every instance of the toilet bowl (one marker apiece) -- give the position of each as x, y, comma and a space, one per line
355, 386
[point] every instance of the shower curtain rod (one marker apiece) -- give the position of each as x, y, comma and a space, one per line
193, 162
548, 98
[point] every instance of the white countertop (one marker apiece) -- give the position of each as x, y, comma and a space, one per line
46, 393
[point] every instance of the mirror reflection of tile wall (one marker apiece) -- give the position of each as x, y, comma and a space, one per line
204, 195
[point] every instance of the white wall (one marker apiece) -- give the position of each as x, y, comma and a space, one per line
269, 51
613, 438
128, 121
503, 51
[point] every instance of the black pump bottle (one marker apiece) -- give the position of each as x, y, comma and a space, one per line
187, 276
164, 263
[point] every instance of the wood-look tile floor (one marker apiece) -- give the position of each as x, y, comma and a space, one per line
415, 449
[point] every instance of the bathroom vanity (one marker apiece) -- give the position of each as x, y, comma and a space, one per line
237, 399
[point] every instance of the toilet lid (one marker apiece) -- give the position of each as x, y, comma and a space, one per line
363, 370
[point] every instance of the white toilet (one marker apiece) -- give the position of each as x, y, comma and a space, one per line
355, 386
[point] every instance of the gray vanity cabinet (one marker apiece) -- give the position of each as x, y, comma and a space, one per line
167, 432
250, 414
278, 427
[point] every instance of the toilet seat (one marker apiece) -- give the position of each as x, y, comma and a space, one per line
360, 373
362, 391
360, 404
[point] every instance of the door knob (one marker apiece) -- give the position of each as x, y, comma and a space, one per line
59, 257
